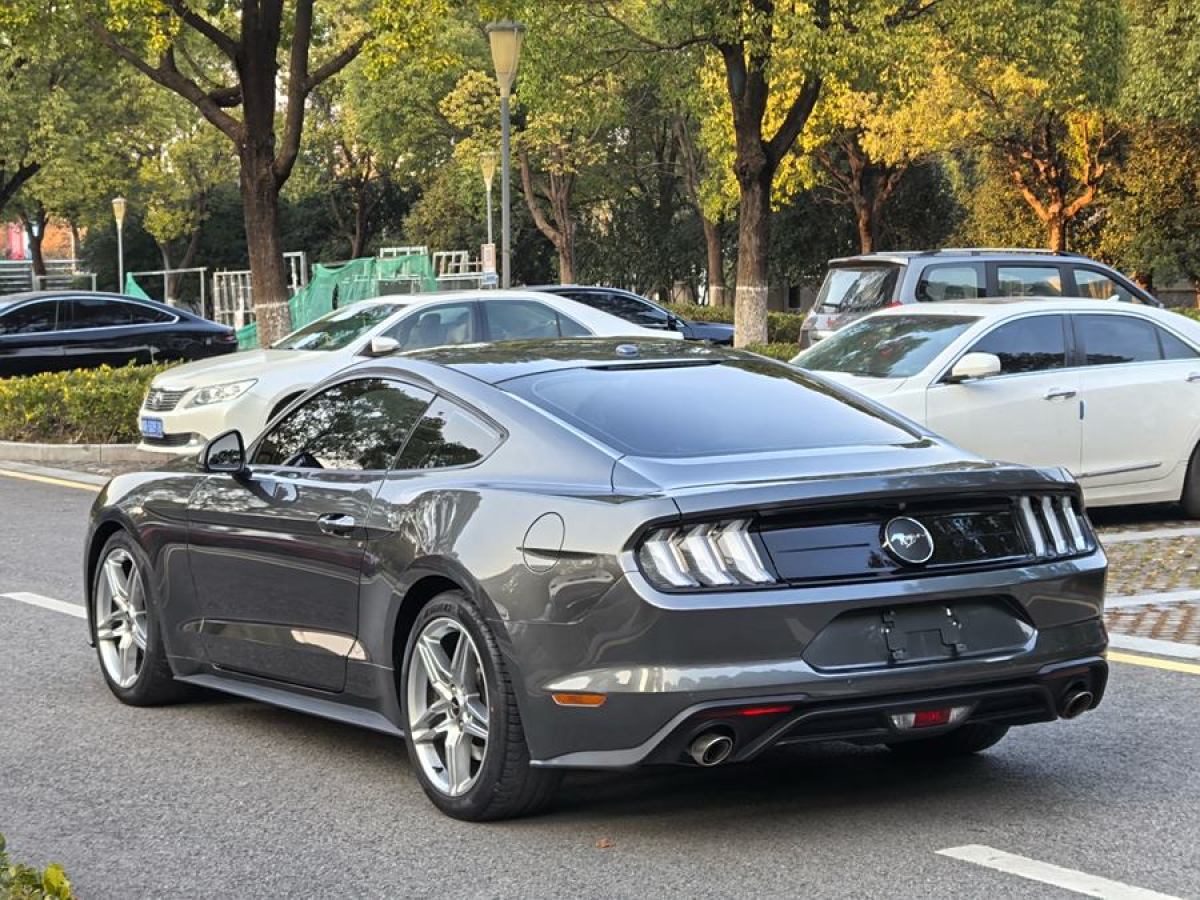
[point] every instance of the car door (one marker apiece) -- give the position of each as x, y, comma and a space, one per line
1029, 413
99, 331
523, 320
276, 552
29, 341
1140, 386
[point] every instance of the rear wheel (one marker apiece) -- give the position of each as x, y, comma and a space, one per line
1190, 499
962, 741
124, 625
464, 732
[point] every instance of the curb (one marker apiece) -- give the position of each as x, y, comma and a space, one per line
67, 453
82, 478
1172, 649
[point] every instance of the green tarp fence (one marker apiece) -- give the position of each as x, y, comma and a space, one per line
360, 279
133, 289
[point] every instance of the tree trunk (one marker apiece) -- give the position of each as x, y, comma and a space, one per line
358, 240
716, 262
566, 261
268, 275
1056, 232
754, 239
866, 227
35, 230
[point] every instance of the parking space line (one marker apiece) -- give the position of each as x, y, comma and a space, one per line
46, 479
1154, 662
1046, 873
70, 609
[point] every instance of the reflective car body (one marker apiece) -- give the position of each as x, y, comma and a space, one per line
50, 331
640, 311
548, 526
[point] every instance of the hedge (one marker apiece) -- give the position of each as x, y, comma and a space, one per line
83, 406
782, 328
784, 352
21, 882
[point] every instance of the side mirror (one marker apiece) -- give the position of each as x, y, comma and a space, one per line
382, 346
225, 453
973, 366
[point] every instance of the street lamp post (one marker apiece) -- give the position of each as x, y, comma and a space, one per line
118, 205
505, 40
487, 165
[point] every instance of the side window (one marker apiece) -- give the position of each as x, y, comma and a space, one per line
147, 315
1029, 281
97, 312
1032, 344
631, 309
359, 424
447, 436
1173, 347
29, 318
453, 323
1098, 286
950, 283
1109, 340
520, 320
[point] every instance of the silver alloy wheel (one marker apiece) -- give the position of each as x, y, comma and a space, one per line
447, 706
120, 612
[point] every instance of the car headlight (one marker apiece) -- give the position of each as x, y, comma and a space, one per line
220, 393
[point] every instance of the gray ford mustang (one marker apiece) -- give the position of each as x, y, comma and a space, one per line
534, 557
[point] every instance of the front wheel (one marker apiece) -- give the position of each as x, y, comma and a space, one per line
464, 732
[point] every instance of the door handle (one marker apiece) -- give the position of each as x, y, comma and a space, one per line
1193, 376
336, 524
1060, 394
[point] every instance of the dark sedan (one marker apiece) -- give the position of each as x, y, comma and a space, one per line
637, 309
541, 556
46, 331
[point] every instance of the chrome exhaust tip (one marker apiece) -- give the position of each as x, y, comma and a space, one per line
1076, 703
711, 749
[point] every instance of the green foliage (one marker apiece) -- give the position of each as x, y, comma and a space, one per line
781, 327
22, 882
783, 352
84, 406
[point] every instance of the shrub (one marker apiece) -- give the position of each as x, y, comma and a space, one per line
21, 882
84, 406
1191, 312
775, 350
781, 327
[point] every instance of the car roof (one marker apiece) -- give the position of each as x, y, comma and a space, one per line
497, 362
22, 296
1001, 307
903, 257
460, 296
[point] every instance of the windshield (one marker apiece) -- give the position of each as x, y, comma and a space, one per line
885, 346
338, 328
749, 407
859, 288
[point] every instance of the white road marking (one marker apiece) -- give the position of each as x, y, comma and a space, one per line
1068, 879
70, 609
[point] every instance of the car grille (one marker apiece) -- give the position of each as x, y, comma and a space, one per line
839, 545
159, 400
168, 440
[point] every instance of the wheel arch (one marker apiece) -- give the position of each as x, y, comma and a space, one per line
100, 535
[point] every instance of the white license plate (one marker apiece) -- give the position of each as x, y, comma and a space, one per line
152, 427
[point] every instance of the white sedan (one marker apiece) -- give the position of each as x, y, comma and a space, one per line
189, 404
1109, 391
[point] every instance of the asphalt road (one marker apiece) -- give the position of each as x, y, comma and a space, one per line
224, 798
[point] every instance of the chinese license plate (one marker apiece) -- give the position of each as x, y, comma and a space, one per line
152, 427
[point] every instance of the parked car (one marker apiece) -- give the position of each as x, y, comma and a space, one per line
858, 285
637, 309
1109, 391
189, 404
49, 331
532, 557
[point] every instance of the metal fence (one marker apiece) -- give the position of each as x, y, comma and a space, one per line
16, 275
171, 277
233, 295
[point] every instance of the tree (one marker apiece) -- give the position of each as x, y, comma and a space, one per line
224, 57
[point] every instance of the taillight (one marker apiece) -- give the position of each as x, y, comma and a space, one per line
711, 554
1056, 525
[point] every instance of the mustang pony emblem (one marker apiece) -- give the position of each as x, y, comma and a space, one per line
908, 541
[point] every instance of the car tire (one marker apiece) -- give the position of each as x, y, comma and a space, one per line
129, 645
1190, 499
963, 741
497, 781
